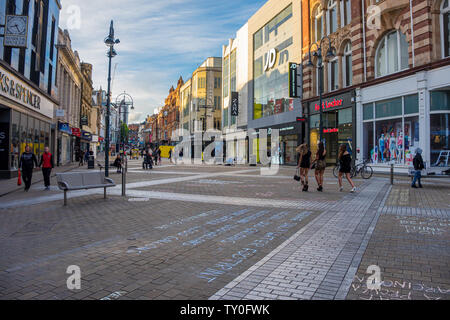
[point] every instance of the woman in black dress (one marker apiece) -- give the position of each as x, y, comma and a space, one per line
320, 165
345, 164
304, 163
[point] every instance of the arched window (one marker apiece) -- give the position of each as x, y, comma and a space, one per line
347, 65
333, 74
317, 24
392, 54
332, 17
445, 28
346, 12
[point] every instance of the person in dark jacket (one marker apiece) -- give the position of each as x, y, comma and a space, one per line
418, 167
47, 164
118, 163
27, 163
345, 167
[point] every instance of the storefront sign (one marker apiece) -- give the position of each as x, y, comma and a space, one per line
59, 113
13, 88
271, 58
16, 31
4, 146
95, 138
86, 135
333, 130
329, 104
234, 104
295, 80
344, 100
76, 132
64, 127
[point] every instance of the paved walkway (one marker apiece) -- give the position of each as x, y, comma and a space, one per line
321, 260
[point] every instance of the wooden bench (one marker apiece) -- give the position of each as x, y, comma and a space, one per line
83, 181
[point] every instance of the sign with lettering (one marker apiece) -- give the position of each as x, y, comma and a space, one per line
271, 58
76, 132
234, 104
295, 80
340, 101
18, 91
4, 146
16, 31
64, 127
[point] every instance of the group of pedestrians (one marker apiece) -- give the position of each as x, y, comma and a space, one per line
319, 165
28, 162
151, 158
83, 157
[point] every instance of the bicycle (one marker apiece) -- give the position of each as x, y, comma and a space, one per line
362, 168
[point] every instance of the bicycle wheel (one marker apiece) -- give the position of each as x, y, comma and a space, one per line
336, 171
367, 172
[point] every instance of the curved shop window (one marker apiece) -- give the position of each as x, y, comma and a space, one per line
439, 128
391, 130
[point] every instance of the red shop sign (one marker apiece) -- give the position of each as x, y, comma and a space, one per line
76, 132
327, 105
333, 130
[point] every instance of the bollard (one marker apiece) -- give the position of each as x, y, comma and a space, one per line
392, 174
124, 178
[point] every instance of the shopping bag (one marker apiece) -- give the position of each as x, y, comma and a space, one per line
297, 175
19, 178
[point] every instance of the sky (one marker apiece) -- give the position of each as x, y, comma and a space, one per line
160, 40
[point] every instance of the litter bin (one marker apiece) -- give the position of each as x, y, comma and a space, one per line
91, 162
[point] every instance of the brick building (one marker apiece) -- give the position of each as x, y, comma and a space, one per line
386, 92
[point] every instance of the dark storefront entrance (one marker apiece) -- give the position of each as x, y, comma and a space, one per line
339, 124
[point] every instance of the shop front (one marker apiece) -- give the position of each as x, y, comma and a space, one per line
339, 116
65, 144
25, 120
402, 115
86, 140
290, 137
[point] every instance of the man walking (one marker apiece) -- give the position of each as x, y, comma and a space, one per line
47, 164
27, 163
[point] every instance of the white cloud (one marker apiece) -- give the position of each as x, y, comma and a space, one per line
160, 40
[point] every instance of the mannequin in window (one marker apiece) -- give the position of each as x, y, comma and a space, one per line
393, 147
400, 152
374, 155
381, 145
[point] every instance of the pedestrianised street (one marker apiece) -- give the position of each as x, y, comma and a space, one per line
217, 232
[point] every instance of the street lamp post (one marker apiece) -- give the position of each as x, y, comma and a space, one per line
318, 54
110, 41
124, 103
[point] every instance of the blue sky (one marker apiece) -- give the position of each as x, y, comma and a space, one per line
160, 40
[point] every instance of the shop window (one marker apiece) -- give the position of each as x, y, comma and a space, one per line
388, 108
226, 76
368, 140
347, 65
440, 139
440, 100
15, 139
345, 116
314, 121
319, 80
332, 17
445, 28
368, 111
412, 104
317, 24
392, 54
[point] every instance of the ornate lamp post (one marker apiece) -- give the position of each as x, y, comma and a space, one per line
318, 54
110, 41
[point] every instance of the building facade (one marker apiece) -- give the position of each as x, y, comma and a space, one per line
386, 92
67, 116
89, 119
235, 84
169, 116
274, 40
28, 88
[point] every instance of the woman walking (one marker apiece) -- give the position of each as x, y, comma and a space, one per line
345, 164
304, 163
320, 165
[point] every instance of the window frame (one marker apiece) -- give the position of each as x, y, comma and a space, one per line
386, 58
347, 52
444, 11
316, 15
330, 78
332, 5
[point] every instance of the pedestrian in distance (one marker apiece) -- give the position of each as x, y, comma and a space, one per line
345, 167
170, 155
320, 165
418, 167
80, 157
47, 164
304, 163
118, 163
86, 156
27, 163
